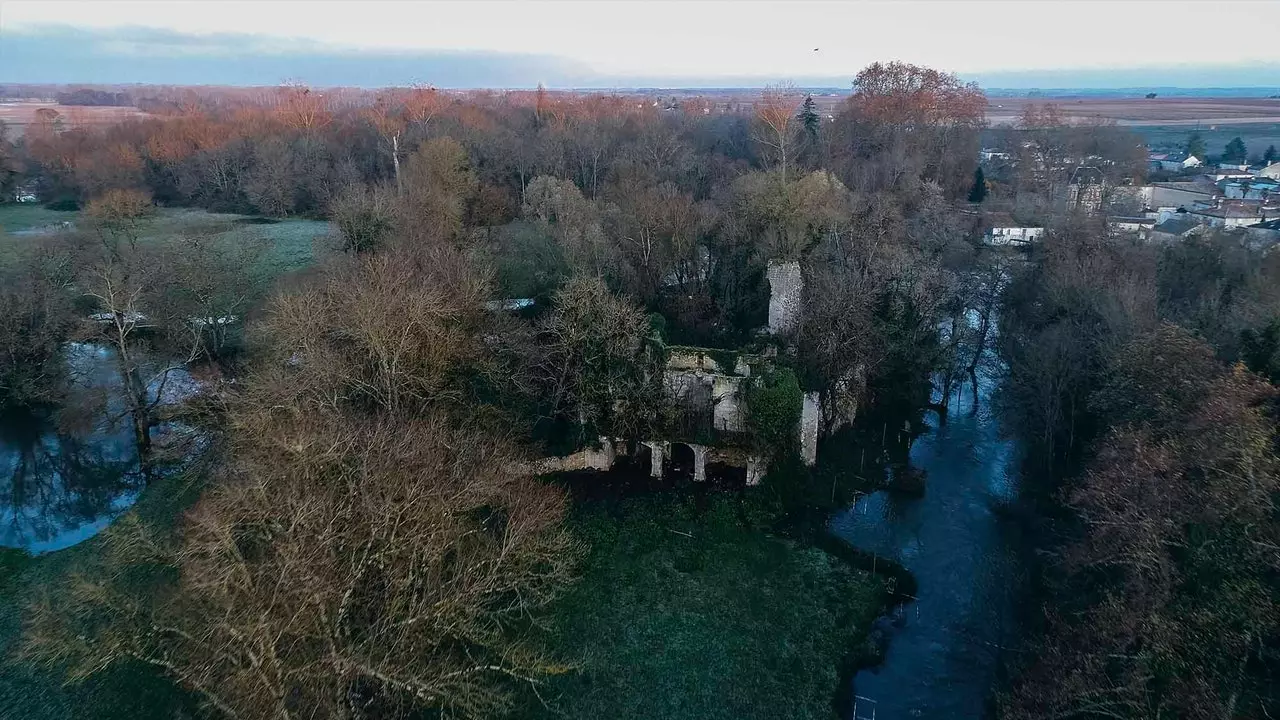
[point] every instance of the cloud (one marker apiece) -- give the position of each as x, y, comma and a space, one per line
59, 54
147, 55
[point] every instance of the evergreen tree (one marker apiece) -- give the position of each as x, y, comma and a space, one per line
1235, 152
808, 117
1195, 146
1270, 155
979, 191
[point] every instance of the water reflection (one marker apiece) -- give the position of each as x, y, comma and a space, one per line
67, 473
944, 648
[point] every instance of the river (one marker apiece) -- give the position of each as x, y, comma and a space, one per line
944, 648
65, 475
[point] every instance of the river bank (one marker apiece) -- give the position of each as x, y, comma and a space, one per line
944, 647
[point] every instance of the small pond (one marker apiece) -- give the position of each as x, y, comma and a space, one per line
66, 474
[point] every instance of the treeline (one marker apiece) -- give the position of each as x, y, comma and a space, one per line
1152, 457
91, 97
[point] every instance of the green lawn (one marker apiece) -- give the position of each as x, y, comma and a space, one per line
25, 216
291, 243
687, 612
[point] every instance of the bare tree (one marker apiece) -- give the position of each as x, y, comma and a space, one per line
345, 569
776, 122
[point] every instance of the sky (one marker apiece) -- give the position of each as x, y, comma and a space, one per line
620, 42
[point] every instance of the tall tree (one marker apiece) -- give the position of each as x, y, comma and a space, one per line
1271, 155
979, 191
1235, 152
808, 118
775, 123
1195, 146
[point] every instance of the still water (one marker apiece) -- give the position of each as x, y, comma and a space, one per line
944, 648
65, 476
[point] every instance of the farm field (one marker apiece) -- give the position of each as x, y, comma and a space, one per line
1165, 123
1144, 112
16, 116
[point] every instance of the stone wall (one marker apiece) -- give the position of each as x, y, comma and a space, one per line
810, 419
786, 290
603, 457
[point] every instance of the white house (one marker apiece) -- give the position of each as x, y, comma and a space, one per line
1131, 224
1012, 235
1271, 171
1229, 172
1085, 189
1174, 195
1175, 163
25, 194
989, 154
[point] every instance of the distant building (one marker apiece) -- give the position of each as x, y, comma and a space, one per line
25, 194
1252, 189
1271, 171
1229, 172
1229, 214
1086, 189
1175, 195
1264, 233
989, 154
1141, 225
1001, 235
1176, 229
1179, 162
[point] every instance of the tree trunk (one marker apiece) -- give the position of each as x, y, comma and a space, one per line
139, 409
395, 161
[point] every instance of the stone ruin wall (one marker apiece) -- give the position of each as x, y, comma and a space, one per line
786, 296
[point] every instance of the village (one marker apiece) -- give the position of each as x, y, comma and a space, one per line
1183, 197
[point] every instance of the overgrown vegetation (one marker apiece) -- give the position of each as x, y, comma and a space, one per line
684, 610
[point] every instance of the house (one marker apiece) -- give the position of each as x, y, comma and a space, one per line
1252, 189
1085, 189
1001, 235
25, 194
1179, 162
1271, 171
1175, 229
1264, 233
1237, 213
1229, 172
1176, 195
1140, 225
989, 154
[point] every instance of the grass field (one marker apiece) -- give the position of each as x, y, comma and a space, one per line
1165, 123
291, 244
685, 611
1256, 136
1186, 111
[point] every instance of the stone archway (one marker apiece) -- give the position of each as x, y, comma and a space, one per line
684, 463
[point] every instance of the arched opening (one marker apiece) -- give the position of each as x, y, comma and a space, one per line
726, 476
640, 463
682, 463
